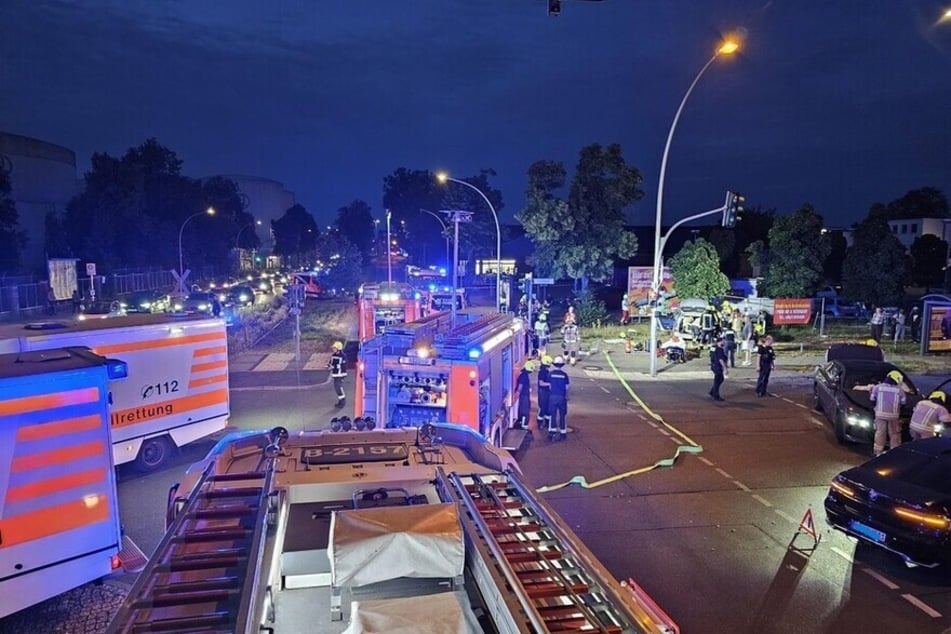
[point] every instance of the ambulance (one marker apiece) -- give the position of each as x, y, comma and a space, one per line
177, 390
380, 306
59, 516
436, 371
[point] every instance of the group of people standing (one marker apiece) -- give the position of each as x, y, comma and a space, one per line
888, 397
723, 357
552, 390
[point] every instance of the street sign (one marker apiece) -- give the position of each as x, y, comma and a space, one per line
91, 269
543, 281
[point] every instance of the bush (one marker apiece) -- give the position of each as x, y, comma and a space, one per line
590, 310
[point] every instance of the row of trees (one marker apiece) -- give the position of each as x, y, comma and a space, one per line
132, 208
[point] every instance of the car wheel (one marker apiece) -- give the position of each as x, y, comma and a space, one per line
816, 402
839, 427
153, 453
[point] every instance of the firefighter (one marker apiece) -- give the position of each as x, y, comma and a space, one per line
544, 392
338, 371
524, 386
542, 332
888, 397
571, 342
928, 415
558, 402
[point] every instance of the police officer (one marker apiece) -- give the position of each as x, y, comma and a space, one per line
524, 387
718, 366
338, 371
927, 413
888, 397
767, 360
558, 401
544, 391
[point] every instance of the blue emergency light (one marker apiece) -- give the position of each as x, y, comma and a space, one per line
475, 353
116, 369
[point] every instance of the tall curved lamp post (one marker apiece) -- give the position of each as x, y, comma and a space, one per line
181, 256
443, 177
238, 236
445, 231
726, 47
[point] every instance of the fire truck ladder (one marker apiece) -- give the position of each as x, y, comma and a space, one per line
201, 577
546, 579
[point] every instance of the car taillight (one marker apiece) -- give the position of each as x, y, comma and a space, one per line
931, 520
844, 490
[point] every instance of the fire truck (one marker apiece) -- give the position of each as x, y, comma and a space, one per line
426, 530
59, 516
177, 390
380, 306
434, 371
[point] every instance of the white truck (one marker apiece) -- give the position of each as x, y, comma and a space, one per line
177, 388
59, 516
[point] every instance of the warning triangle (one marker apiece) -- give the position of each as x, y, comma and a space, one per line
807, 525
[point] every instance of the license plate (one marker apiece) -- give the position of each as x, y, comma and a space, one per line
873, 534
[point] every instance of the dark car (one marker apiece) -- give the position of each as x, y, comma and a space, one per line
899, 501
101, 310
153, 301
841, 389
240, 295
201, 302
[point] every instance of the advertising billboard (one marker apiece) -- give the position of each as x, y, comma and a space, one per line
936, 333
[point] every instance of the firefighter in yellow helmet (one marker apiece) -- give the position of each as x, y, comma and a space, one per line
544, 392
930, 417
888, 397
338, 371
523, 387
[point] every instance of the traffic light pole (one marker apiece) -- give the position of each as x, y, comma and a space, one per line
658, 260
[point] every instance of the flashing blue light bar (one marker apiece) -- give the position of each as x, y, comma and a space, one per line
116, 369
475, 353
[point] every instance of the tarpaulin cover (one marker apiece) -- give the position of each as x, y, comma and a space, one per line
377, 544
442, 613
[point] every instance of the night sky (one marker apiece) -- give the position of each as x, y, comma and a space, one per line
837, 103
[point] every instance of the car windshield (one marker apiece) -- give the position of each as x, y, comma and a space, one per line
201, 297
862, 378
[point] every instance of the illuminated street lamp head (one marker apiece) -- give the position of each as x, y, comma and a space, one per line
210, 211
442, 177
728, 46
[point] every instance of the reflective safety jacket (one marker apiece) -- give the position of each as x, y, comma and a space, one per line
926, 414
337, 365
888, 400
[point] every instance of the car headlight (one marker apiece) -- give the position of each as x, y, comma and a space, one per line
939, 429
203, 306
142, 305
858, 420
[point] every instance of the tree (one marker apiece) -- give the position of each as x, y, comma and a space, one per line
696, 271
832, 266
582, 237
405, 192
929, 256
12, 240
876, 266
344, 262
927, 202
295, 235
355, 224
797, 250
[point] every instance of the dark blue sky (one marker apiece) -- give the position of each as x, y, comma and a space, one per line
837, 103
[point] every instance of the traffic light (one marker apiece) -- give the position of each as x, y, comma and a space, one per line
554, 7
525, 285
732, 209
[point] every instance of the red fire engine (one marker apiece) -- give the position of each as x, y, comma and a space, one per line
383, 305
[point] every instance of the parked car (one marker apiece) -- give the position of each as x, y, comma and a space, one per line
101, 310
201, 302
240, 295
842, 385
899, 501
150, 301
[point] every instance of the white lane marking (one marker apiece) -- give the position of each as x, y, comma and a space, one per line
844, 555
724, 473
604, 389
741, 485
652, 424
705, 461
799, 405
817, 421
788, 400
785, 516
921, 605
663, 431
888, 583
763, 501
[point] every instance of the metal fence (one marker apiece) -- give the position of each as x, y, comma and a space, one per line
30, 298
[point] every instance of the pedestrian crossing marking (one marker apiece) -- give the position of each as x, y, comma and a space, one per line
278, 361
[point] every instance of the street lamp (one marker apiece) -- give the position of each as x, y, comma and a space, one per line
238, 236
389, 250
726, 48
442, 177
181, 257
445, 230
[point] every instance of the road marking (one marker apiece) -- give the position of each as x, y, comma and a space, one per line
763, 501
888, 583
274, 362
798, 405
723, 473
664, 432
785, 516
705, 461
844, 555
604, 389
921, 605
817, 421
741, 485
